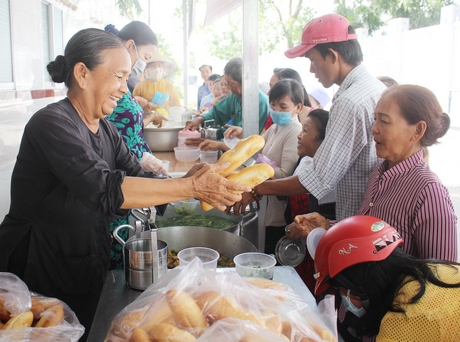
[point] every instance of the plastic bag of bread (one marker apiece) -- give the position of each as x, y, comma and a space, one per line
196, 304
28, 316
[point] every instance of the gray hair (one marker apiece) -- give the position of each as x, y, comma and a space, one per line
234, 68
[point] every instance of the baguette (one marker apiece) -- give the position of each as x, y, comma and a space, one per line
251, 176
23, 320
48, 302
4, 313
37, 308
132, 319
243, 150
139, 335
51, 317
185, 311
164, 332
216, 306
325, 334
264, 283
159, 312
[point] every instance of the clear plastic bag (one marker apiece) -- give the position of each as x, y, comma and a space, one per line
28, 316
196, 304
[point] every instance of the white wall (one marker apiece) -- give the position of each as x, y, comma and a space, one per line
13, 118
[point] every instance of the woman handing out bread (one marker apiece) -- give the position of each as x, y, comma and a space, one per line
74, 173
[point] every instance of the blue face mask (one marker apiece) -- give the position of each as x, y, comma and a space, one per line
347, 303
281, 118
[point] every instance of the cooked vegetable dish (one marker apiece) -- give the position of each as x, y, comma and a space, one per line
196, 220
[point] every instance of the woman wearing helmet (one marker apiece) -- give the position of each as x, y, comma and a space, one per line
392, 295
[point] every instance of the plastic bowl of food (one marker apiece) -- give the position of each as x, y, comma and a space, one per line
186, 155
255, 265
208, 156
186, 207
208, 256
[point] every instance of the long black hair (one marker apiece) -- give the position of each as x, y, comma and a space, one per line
382, 280
283, 73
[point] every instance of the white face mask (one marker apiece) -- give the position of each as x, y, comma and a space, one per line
138, 67
154, 74
348, 304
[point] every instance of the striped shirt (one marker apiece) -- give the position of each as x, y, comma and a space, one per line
347, 155
411, 198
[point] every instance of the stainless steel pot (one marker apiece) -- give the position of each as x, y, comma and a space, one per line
162, 139
240, 221
213, 133
137, 258
226, 243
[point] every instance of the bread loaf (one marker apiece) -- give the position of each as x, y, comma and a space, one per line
251, 176
132, 319
158, 313
23, 320
325, 334
4, 313
185, 311
37, 308
264, 283
217, 306
164, 332
243, 150
139, 335
51, 317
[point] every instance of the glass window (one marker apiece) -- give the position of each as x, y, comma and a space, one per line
46, 37
58, 32
6, 60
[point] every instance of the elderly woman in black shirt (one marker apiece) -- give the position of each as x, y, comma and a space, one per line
74, 173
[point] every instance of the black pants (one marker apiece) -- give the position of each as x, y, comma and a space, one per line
272, 236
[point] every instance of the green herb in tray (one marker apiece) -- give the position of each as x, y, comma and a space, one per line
195, 220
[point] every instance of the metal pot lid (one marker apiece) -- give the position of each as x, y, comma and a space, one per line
290, 252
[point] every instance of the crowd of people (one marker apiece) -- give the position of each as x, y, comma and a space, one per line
357, 171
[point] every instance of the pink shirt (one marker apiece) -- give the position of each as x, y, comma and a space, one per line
410, 197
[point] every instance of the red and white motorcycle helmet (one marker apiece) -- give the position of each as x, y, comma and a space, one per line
352, 241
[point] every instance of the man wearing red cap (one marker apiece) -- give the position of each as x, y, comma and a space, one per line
347, 155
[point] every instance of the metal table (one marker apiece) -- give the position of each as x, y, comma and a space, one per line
115, 296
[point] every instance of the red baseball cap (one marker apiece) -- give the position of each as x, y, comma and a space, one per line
329, 28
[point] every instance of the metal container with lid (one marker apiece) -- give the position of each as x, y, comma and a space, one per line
290, 252
213, 133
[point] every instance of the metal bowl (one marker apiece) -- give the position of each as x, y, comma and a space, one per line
226, 243
162, 139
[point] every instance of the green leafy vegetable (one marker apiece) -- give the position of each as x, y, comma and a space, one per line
196, 220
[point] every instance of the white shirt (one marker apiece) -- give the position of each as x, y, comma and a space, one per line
280, 147
307, 162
